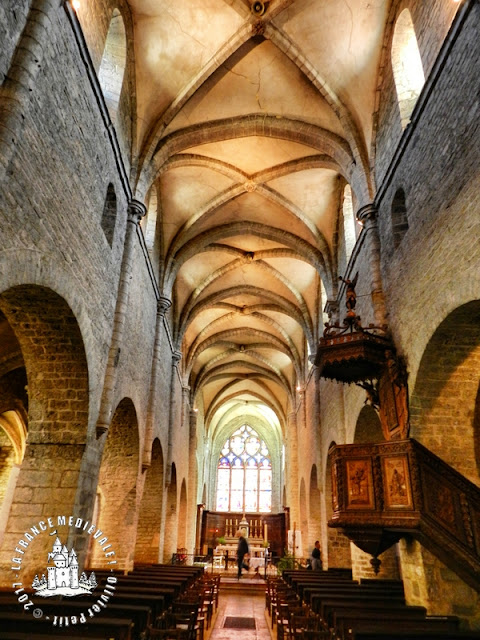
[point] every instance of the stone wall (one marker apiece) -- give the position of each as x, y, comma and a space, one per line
431, 20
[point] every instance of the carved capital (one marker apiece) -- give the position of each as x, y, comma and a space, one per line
136, 210
367, 214
163, 305
176, 357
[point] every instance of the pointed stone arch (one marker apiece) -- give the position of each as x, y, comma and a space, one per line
314, 507
171, 513
441, 418
368, 427
118, 515
47, 352
147, 547
304, 519
182, 517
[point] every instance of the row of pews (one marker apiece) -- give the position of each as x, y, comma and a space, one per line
123, 607
306, 605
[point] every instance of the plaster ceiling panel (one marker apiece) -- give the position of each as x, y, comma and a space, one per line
316, 193
342, 41
240, 322
252, 153
257, 78
291, 327
248, 404
255, 207
304, 277
214, 392
194, 273
234, 364
250, 274
202, 321
183, 191
279, 359
296, 271
174, 41
203, 264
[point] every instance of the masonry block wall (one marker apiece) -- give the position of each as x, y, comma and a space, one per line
7, 460
51, 237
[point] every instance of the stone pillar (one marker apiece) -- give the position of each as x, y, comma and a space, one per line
192, 479
367, 216
176, 357
136, 210
292, 468
163, 305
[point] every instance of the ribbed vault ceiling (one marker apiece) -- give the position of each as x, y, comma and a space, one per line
250, 125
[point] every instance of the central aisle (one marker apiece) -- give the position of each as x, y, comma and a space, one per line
235, 604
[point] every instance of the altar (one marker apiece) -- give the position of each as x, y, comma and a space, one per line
256, 551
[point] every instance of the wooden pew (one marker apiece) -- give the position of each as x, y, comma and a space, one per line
348, 625
19, 635
352, 599
332, 608
107, 628
141, 615
400, 634
314, 595
166, 593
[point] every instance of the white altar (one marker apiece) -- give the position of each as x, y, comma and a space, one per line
255, 551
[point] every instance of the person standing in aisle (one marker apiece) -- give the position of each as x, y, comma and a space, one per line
242, 551
316, 557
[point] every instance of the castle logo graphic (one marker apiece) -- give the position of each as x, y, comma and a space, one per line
62, 575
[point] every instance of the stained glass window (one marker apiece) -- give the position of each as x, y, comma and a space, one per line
244, 473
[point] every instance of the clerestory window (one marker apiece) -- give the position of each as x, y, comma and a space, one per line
407, 66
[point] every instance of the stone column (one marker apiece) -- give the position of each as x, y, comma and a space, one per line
163, 305
292, 470
192, 479
136, 211
176, 357
367, 216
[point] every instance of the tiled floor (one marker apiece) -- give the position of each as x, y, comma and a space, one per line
246, 605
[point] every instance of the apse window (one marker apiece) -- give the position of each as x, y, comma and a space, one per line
407, 66
244, 473
112, 67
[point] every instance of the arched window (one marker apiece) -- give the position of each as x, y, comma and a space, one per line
407, 66
349, 223
399, 217
244, 474
112, 67
149, 222
109, 215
